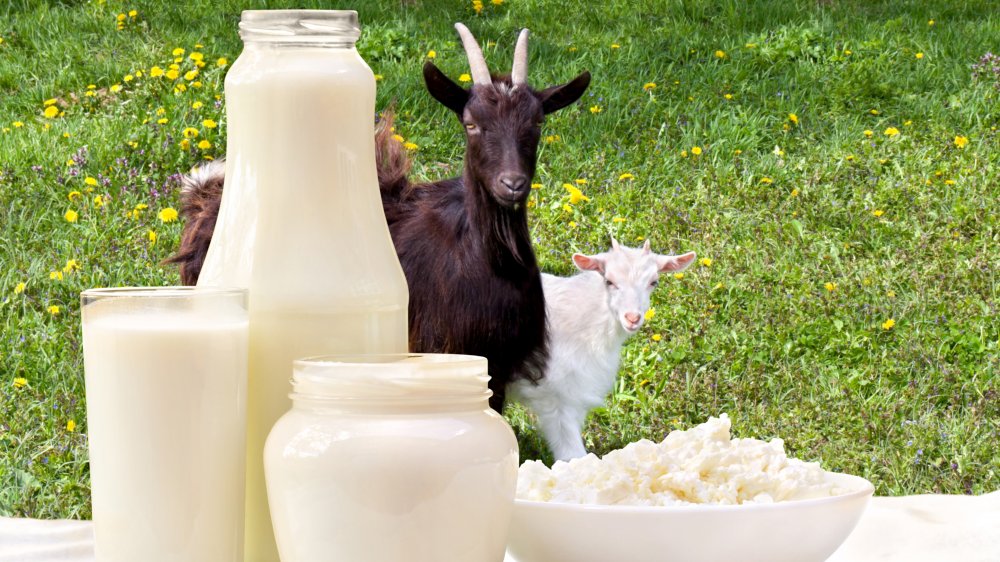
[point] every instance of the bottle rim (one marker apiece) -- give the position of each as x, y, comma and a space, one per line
300, 26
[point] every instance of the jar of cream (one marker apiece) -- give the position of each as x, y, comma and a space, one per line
385, 458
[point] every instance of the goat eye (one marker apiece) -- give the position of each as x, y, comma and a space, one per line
470, 126
654, 283
609, 283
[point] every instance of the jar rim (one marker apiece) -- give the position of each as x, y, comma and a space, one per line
413, 377
165, 292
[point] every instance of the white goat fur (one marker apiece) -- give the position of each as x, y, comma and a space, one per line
590, 315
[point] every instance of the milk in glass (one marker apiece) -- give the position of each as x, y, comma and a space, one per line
165, 373
301, 222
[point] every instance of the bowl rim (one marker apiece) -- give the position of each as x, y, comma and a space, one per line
865, 489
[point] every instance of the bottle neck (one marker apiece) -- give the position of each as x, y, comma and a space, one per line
300, 28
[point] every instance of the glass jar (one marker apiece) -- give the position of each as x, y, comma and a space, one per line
391, 458
300, 222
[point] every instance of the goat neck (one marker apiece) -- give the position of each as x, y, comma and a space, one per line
503, 230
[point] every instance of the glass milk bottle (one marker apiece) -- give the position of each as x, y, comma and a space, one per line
301, 222
391, 458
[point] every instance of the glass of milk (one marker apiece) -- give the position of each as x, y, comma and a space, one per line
389, 458
166, 380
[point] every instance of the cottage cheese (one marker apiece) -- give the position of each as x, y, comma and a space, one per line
702, 465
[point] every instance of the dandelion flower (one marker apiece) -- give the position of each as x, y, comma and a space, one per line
567, 208
71, 426
20, 382
163, 121
190, 133
179, 51
888, 324
464, 78
678, 276
74, 195
53, 310
649, 86
728, 96
720, 54
99, 201
766, 180
71, 216
151, 235
595, 109
930, 22
221, 62
618, 219
51, 112
891, 132
171, 74
625, 176
650, 314
191, 74
155, 72
830, 286
56, 275
706, 262
431, 54
209, 124
778, 151
204, 144
18, 124
795, 192
961, 141
696, 150
410, 145
168, 214
572, 224
20, 287
581, 181
657, 337
878, 212
793, 118
71, 266
575, 195
684, 154
536, 186
919, 56
185, 144
873, 111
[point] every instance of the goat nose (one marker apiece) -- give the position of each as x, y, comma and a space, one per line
513, 182
633, 317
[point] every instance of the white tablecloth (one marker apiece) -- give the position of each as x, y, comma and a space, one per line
930, 528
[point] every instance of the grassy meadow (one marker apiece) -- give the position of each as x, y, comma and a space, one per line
834, 163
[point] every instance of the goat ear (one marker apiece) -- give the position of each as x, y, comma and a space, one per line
558, 97
444, 89
675, 263
645, 247
589, 263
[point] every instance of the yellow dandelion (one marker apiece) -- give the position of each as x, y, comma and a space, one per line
949, 182
90, 181
649, 86
163, 120
831, 287
572, 224
888, 324
51, 112
20, 382
151, 236
53, 310
678, 276
728, 96
172, 74
20, 287
626, 176
720, 54
221, 62
56, 275
919, 56
71, 266
706, 262
684, 154
431, 54
72, 195
793, 118
930, 22
209, 124
795, 192
878, 212
410, 145
196, 56
18, 124
168, 214
191, 75
891, 132
618, 219
190, 133
464, 77
155, 72
766, 180
71, 426
99, 201
650, 314
580, 181
873, 111
536, 186
961, 141
657, 337
595, 109
204, 144
185, 144
616, 46
179, 51
575, 195
696, 150
567, 208
71, 216
128, 78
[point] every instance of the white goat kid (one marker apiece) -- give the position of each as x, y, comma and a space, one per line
590, 315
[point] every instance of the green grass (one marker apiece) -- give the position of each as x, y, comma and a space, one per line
914, 408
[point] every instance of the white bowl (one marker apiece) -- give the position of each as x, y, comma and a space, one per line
793, 531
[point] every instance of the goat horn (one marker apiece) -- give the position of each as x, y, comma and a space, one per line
645, 247
477, 64
519, 73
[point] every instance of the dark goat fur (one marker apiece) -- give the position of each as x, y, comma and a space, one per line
464, 244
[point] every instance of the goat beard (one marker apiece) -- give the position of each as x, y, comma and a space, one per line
511, 225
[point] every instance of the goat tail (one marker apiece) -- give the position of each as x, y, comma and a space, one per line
391, 160
201, 193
